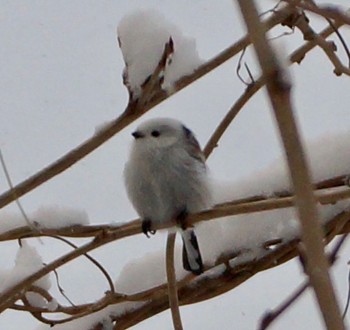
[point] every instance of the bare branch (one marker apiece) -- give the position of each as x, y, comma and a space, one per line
279, 93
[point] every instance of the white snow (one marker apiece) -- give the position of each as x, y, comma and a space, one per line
27, 262
45, 217
147, 272
142, 35
58, 217
87, 322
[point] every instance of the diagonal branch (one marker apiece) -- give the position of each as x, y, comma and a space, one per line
279, 93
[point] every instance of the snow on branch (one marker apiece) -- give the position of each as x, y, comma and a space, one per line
142, 36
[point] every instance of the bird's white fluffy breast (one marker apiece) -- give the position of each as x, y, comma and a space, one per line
162, 181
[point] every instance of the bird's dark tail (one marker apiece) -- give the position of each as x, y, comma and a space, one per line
191, 256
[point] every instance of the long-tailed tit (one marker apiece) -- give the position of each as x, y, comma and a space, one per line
166, 179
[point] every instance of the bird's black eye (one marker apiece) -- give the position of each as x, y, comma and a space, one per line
155, 133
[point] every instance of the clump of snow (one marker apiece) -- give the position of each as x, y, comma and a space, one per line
27, 262
52, 305
36, 300
103, 316
86, 322
58, 217
152, 269
102, 126
45, 217
142, 36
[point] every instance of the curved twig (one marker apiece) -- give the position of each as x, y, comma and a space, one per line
93, 260
171, 281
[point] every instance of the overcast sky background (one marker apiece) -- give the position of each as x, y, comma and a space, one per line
60, 78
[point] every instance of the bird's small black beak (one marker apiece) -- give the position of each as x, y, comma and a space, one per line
137, 135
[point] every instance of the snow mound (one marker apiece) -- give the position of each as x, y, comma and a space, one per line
142, 36
45, 217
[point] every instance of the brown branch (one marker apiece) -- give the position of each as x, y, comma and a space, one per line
329, 47
279, 93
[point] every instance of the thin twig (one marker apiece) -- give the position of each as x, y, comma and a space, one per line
93, 260
60, 289
9, 182
171, 276
271, 316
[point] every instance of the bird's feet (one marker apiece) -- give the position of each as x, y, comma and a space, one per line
147, 227
181, 219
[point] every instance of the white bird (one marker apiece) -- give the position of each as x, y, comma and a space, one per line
166, 179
